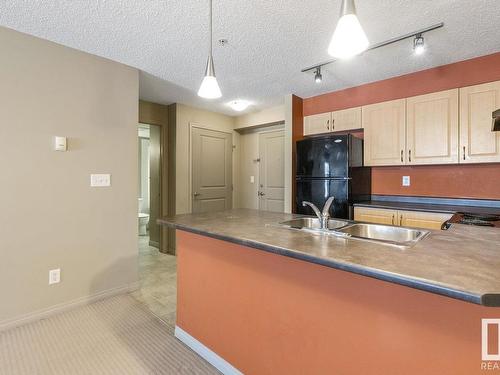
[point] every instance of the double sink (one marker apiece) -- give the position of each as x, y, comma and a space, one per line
385, 234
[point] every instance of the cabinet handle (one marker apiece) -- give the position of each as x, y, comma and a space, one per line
401, 156
464, 152
327, 124
409, 156
333, 124
392, 219
401, 220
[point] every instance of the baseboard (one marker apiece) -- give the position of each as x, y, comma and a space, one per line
215, 360
154, 244
65, 306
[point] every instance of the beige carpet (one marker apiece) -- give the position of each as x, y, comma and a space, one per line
118, 335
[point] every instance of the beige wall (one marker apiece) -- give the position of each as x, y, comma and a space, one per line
186, 117
51, 218
264, 117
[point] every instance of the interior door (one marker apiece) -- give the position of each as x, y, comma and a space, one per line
154, 184
211, 170
432, 128
272, 171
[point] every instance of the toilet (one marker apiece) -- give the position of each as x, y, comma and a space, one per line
143, 224
143, 220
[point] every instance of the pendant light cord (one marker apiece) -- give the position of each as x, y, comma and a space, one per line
210, 27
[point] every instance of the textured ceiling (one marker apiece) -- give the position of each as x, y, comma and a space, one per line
269, 41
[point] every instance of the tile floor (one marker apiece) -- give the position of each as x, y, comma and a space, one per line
157, 275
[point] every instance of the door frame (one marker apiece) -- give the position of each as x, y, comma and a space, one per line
197, 125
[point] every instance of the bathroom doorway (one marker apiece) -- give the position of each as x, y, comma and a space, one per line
149, 188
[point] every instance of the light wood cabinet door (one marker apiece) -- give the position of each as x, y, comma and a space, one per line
317, 124
425, 220
478, 144
375, 215
432, 128
346, 119
385, 133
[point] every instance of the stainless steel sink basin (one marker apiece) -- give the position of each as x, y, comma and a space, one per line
398, 236
313, 223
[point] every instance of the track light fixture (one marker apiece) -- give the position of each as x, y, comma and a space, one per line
317, 75
418, 41
418, 44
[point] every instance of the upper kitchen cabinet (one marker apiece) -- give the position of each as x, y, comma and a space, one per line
432, 128
317, 124
346, 119
385, 133
478, 144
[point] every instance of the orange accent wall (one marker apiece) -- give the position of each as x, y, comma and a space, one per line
443, 181
479, 181
269, 314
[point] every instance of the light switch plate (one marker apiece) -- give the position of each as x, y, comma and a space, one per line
55, 276
252, 179
406, 180
100, 180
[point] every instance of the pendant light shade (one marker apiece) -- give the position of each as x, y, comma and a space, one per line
348, 39
209, 88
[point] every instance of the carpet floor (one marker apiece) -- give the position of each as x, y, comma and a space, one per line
118, 335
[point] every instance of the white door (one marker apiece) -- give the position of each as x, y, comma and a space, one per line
212, 170
272, 171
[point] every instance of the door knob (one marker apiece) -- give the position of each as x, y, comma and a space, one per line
260, 193
196, 194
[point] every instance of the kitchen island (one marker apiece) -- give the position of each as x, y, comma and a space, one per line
260, 298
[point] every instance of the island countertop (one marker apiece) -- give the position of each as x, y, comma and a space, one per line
462, 262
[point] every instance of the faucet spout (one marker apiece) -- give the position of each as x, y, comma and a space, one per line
324, 215
326, 207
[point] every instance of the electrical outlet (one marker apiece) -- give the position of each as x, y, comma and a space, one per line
100, 180
406, 180
54, 276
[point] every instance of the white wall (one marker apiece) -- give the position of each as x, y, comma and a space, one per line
51, 217
266, 116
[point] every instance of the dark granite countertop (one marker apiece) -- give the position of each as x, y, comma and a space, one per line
462, 262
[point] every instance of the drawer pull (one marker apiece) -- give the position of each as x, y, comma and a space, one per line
464, 152
401, 156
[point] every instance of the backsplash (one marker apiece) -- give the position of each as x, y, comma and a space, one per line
479, 181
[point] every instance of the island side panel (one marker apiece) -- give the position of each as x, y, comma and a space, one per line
270, 314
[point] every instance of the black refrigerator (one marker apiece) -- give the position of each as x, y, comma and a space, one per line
331, 166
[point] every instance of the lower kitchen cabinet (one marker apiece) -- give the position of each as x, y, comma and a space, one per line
375, 215
416, 219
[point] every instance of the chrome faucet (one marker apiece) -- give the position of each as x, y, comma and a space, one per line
324, 215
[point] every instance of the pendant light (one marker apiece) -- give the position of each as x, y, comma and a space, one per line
348, 39
209, 88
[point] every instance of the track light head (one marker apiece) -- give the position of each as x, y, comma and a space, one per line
418, 44
317, 75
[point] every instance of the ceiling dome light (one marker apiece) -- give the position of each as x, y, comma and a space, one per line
418, 44
239, 105
317, 75
209, 88
348, 39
